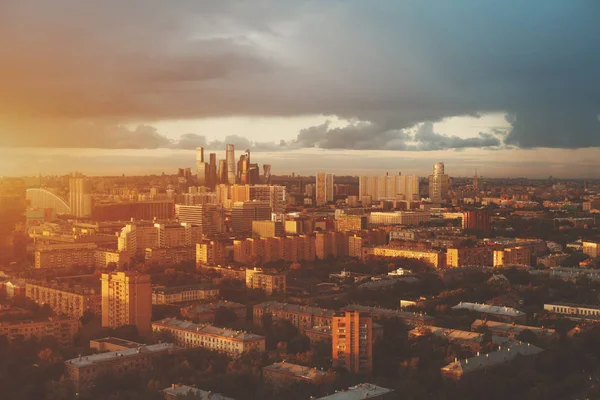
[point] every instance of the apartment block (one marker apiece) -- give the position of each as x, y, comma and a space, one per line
482, 256
63, 329
82, 371
283, 373
268, 282
352, 341
70, 301
170, 256
65, 255
205, 312
210, 252
181, 294
302, 317
434, 258
177, 392
188, 334
519, 255
265, 229
127, 300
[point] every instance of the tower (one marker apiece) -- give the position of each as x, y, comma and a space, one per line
230, 158
212, 171
476, 182
324, 188
80, 198
127, 300
352, 341
201, 167
438, 183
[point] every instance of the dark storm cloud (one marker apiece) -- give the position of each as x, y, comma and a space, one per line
388, 65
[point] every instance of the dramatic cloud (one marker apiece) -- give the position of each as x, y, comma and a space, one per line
84, 70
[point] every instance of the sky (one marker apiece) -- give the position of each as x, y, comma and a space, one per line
509, 88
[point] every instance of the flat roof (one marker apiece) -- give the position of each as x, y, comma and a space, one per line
183, 390
177, 289
486, 308
296, 308
120, 342
387, 312
512, 327
207, 307
299, 371
358, 392
206, 329
107, 357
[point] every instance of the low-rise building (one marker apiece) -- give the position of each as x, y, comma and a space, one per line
82, 371
511, 330
205, 312
574, 311
268, 282
181, 294
63, 329
436, 259
182, 391
552, 260
113, 344
229, 341
500, 313
471, 340
283, 373
503, 355
65, 300
409, 318
169, 256
302, 317
362, 391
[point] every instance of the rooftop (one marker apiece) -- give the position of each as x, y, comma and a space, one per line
206, 329
455, 334
296, 308
512, 327
358, 392
118, 341
299, 371
387, 312
502, 355
177, 289
212, 306
486, 308
107, 357
182, 390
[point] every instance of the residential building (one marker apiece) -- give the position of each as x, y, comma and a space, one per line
466, 256
65, 300
352, 341
504, 354
470, 340
436, 259
409, 318
83, 371
268, 282
409, 218
65, 255
188, 334
302, 317
244, 213
511, 330
575, 311
177, 392
266, 229
476, 219
324, 188
170, 256
127, 300
282, 373
210, 252
205, 312
362, 391
181, 294
351, 223
80, 197
207, 217
500, 313
113, 344
519, 255
439, 183
63, 329
591, 249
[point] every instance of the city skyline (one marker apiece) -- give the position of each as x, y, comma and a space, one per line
268, 77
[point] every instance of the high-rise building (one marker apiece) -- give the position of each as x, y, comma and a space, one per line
212, 171
127, 300
201, 168
209, 217
352, 341
324, 185
374, 188
243, 213
476, 219
222, 172
267, 228
438, 183
80, 197
230, 158
12, 213
267, 173
274, 194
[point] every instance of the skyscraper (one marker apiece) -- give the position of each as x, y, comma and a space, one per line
80, 198
352, 341
230, 158
438, 183
324, 188
212, 171
222, 175
374, 188
243, 213
267, 173
127, 300
201, 167
12, 213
